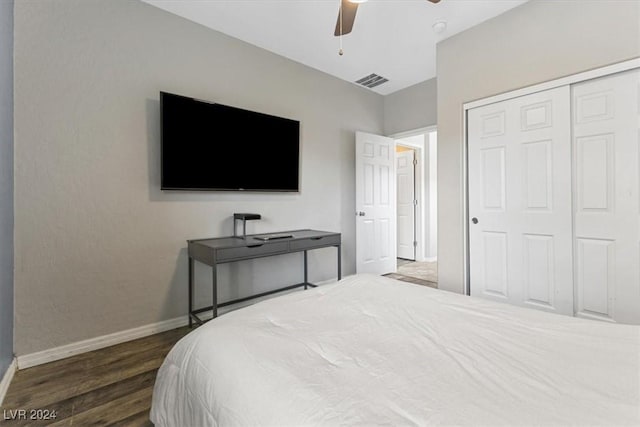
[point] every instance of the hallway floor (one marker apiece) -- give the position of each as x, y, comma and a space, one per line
422, 273
420, 270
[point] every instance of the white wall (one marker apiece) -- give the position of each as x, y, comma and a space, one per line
6, 184
432, 181
99, 248
538, 41
411, 108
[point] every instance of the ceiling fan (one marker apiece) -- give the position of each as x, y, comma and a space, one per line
347, 16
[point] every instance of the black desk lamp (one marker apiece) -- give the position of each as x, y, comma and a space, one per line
244, 217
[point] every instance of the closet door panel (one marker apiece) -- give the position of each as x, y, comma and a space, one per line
520, 194
606, 117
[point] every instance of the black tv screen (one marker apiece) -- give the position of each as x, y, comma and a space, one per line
208, 146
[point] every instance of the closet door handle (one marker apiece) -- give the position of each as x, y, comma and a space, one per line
474, 220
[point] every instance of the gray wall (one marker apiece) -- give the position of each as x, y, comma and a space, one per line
411, 108
6, 184
99, 248
536, 42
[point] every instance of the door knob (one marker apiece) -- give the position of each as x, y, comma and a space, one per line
474, 220
360, 213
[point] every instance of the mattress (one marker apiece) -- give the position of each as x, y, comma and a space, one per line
370, 350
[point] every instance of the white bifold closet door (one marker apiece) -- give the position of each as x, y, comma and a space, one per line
606, 117
520, 229
554, 199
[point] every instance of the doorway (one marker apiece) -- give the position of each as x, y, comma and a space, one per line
416, 180
377, 206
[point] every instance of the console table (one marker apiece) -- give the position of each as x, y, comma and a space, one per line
231, 249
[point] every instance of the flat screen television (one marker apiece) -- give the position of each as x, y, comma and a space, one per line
209, 146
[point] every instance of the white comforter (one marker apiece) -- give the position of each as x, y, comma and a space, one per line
371, 350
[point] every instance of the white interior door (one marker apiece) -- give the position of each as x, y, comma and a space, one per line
520, 230
375, 204
606, 162
406, 191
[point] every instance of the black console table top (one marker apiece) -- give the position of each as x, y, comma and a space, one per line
219, 250
237, 242
232, 242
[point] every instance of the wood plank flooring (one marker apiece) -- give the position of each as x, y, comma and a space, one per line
426, 271
413, 280
106, 387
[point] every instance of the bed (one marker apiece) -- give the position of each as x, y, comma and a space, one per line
371, 350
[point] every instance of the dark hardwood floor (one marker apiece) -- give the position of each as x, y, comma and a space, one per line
413, 280
107, 387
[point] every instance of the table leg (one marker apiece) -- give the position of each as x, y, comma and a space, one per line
339, 262
190, 291
305, 270
215, 291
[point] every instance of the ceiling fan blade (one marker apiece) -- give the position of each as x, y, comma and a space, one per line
349, 10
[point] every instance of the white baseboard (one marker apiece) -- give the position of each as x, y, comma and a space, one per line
6, 379
73, 349
57, 353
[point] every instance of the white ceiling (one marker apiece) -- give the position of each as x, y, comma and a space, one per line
391, 38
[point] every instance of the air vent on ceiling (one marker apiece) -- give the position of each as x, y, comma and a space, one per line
371, 81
